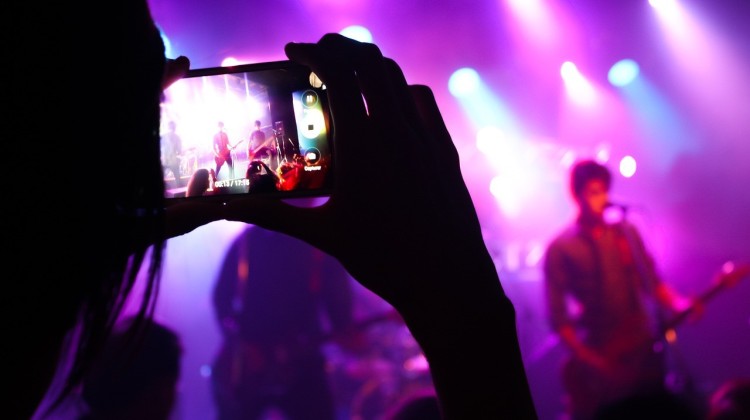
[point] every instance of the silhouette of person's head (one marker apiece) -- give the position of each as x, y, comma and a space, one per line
136, 375
590, 182
586, 171
199, 183
261, 177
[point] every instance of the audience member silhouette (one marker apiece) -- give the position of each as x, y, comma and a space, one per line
135, 377
262, 178
79, 250
277, 301
201, 183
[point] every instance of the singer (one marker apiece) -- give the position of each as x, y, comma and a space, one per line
608, 272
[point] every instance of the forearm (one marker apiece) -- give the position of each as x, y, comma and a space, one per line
470, 341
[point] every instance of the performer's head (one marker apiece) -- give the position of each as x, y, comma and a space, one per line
589, 184
257, 124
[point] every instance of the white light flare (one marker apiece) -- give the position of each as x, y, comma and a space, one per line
578, 88
628, 166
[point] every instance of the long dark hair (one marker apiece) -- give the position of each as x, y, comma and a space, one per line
120, 212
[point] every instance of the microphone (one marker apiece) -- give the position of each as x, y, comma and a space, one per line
623, 207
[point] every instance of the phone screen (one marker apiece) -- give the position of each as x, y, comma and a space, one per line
252, 129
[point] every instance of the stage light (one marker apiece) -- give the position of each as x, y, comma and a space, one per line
568, 70
508, 195
623, 72
568, 159
229, 62
579, 89
627, 166
602, 153
663, 5
463, 82
490, 141
358, 33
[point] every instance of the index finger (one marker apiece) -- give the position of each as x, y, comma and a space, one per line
174, 69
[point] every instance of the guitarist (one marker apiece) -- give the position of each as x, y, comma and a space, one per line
601, 286
276, 300
258, 145
222, 151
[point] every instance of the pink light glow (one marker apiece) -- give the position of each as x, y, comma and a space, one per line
544, 33
578, 88
706, 64
536, 20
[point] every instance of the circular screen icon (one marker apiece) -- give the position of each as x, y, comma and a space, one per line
309, 99
312, 156
312, 124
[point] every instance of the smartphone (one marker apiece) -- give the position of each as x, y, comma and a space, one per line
260, 129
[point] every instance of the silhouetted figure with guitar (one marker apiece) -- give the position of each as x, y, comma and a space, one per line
605, 300
259, 146
277, 301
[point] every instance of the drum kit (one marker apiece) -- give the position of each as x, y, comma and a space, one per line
188, 162
368, 385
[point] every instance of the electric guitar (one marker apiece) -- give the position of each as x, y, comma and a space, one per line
729, 275
589, 385
265, 144
225, 154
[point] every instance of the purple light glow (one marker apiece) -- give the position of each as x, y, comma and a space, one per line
707, 64
537, 21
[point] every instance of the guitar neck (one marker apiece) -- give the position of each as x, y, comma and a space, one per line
702, 299
726, 278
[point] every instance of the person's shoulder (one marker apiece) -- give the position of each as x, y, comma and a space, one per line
566, 235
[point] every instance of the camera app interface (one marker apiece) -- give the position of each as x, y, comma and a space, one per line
245, 132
